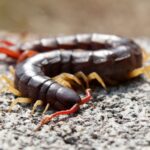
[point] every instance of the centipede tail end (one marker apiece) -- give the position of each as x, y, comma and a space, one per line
7, 43
7, 50
26, 54
10, 53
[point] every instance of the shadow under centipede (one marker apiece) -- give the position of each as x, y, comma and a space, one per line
132, 83
99, 94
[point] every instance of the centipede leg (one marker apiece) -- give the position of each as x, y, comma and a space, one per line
69, 77
14, 91
10, 89
67, 80
46, 108
95, 76
10, 86
81, 75
19, 100
36, 104
62, 82
12, 70
143, 70
146, 55
7, 80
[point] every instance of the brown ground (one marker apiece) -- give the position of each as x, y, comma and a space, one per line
124, 17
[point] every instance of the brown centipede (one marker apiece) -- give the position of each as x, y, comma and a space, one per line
45, 70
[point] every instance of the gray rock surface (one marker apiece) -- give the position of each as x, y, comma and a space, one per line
119, 119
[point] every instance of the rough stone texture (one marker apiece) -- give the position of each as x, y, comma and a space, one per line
119, 119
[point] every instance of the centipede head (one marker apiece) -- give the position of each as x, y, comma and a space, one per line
68, 96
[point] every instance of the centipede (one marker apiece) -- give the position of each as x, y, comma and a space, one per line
47, 69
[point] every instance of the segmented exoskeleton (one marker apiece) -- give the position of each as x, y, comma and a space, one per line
48, 76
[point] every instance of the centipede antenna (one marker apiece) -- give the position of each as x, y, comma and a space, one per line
36, 104
19, 100
48, 118
81, 75
9, 52
46, 108
87, 97
95, 76
72, 110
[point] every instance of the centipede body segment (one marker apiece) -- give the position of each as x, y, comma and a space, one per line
107, 58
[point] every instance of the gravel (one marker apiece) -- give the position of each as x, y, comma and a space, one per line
118, 119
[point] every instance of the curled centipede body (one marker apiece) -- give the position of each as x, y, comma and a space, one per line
107, 58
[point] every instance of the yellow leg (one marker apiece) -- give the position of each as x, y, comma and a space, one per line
46, 108
143, 70
63, 82
36, 104
19, 100
146, 55
10, 86
7, 80
12, 70
14, 91
3, 90
81, 75
11, 89
69, 77
93, 76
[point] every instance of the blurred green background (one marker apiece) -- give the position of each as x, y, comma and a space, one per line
123, 17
